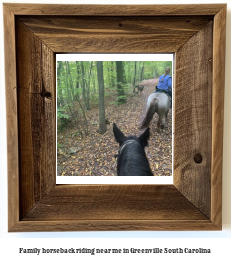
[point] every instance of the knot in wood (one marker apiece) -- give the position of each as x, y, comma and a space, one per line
45, 94
198, 158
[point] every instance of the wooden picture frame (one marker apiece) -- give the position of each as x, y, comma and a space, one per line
33, 34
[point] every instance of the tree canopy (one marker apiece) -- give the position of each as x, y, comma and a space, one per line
78, 86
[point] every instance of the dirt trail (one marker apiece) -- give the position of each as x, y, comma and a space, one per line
95, 153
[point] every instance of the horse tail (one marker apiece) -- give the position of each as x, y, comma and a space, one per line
150, 112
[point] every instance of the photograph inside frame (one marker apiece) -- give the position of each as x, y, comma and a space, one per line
114, 118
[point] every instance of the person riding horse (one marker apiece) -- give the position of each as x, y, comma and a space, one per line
159, 102
165, 83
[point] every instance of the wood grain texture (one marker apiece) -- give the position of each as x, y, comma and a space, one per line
218, 114
115, 34
12, 114
36, 106
108, 207
193, 128
194, 201
115, 10
114, 225
108, 202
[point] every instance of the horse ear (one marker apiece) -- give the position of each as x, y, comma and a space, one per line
119, 136
144, 137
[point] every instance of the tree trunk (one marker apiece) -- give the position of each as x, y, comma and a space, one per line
102, 122
134, 79
142, 73
77, 86
120, 81
83, 84
60, 102
88, 84
72, 109
112, 74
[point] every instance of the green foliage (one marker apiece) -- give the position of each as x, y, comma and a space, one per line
61, 114
59, 145
114, 103
77, 85
121, 99
73, 90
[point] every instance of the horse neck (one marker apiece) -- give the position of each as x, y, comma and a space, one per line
132, 161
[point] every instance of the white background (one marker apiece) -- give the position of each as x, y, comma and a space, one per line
218, 241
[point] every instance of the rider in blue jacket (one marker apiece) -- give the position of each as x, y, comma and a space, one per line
165, 83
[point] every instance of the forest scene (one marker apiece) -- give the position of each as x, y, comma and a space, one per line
91, 96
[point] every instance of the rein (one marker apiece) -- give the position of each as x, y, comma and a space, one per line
123, 146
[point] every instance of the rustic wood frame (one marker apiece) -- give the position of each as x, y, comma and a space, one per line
33, 34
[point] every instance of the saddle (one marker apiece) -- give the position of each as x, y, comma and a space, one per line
169, 94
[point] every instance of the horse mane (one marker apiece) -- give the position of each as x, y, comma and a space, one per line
133, 160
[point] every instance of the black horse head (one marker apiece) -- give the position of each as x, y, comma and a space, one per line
132, 160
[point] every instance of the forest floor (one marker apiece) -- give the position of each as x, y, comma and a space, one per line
94, 154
